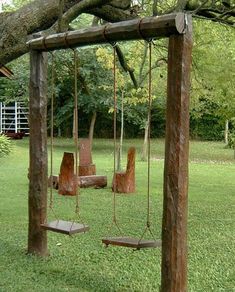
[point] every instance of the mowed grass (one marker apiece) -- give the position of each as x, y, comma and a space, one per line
81, 263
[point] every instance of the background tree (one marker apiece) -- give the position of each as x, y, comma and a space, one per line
212, 98
16, 27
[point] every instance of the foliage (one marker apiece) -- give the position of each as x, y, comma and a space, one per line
93, 87
213, 71
5, 145
212, 91
16, 89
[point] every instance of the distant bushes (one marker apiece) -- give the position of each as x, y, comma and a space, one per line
5, 145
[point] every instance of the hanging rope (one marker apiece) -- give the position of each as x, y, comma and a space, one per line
149, 130
148, 222
52, 127
114, 132
52, 133
76, 128
114, 221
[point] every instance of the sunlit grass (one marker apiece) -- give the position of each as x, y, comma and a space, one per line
81, 263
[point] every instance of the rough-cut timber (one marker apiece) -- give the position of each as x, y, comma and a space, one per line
67, 177
18, 26
124, 182
85, 152
86, 167
96, 181
131, 242
149, 27
65, 227
37, 203
174, 225
84, 170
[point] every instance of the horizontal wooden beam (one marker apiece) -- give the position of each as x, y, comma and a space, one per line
145, 28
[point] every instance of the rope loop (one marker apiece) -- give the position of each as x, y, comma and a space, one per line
148, 40
66, 41
112, 43
44, 43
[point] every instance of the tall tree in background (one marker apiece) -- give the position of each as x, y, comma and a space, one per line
17, 27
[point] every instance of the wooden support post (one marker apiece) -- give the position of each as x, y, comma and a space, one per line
37, 204
174, 225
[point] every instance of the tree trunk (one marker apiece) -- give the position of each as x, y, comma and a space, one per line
226, 132
16, 28
119, 158
175, 203
74, 133
91, 129
37, 203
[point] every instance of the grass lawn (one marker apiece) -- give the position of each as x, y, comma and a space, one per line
81, 263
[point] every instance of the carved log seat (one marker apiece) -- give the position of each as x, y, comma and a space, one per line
67, 178
67, 181
124, 181
86, 167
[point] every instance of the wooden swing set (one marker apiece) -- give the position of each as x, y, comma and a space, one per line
178, 28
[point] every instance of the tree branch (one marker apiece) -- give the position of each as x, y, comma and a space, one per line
79, 8
157, 64
125, 66
42, 15
112, 14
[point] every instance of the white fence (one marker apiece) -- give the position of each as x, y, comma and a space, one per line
14, 118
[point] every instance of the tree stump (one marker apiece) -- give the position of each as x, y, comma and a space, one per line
86, 170
67, 178
86, 167
124, 182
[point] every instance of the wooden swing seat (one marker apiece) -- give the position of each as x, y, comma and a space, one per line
131, 242
65, 227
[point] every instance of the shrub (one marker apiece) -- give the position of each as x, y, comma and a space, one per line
5, 145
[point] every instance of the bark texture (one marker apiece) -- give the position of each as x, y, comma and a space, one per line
67, 177
16, 28
37, 203
95, 181
124, 182
174, 224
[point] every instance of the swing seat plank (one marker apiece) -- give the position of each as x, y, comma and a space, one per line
131, 242
65, 227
